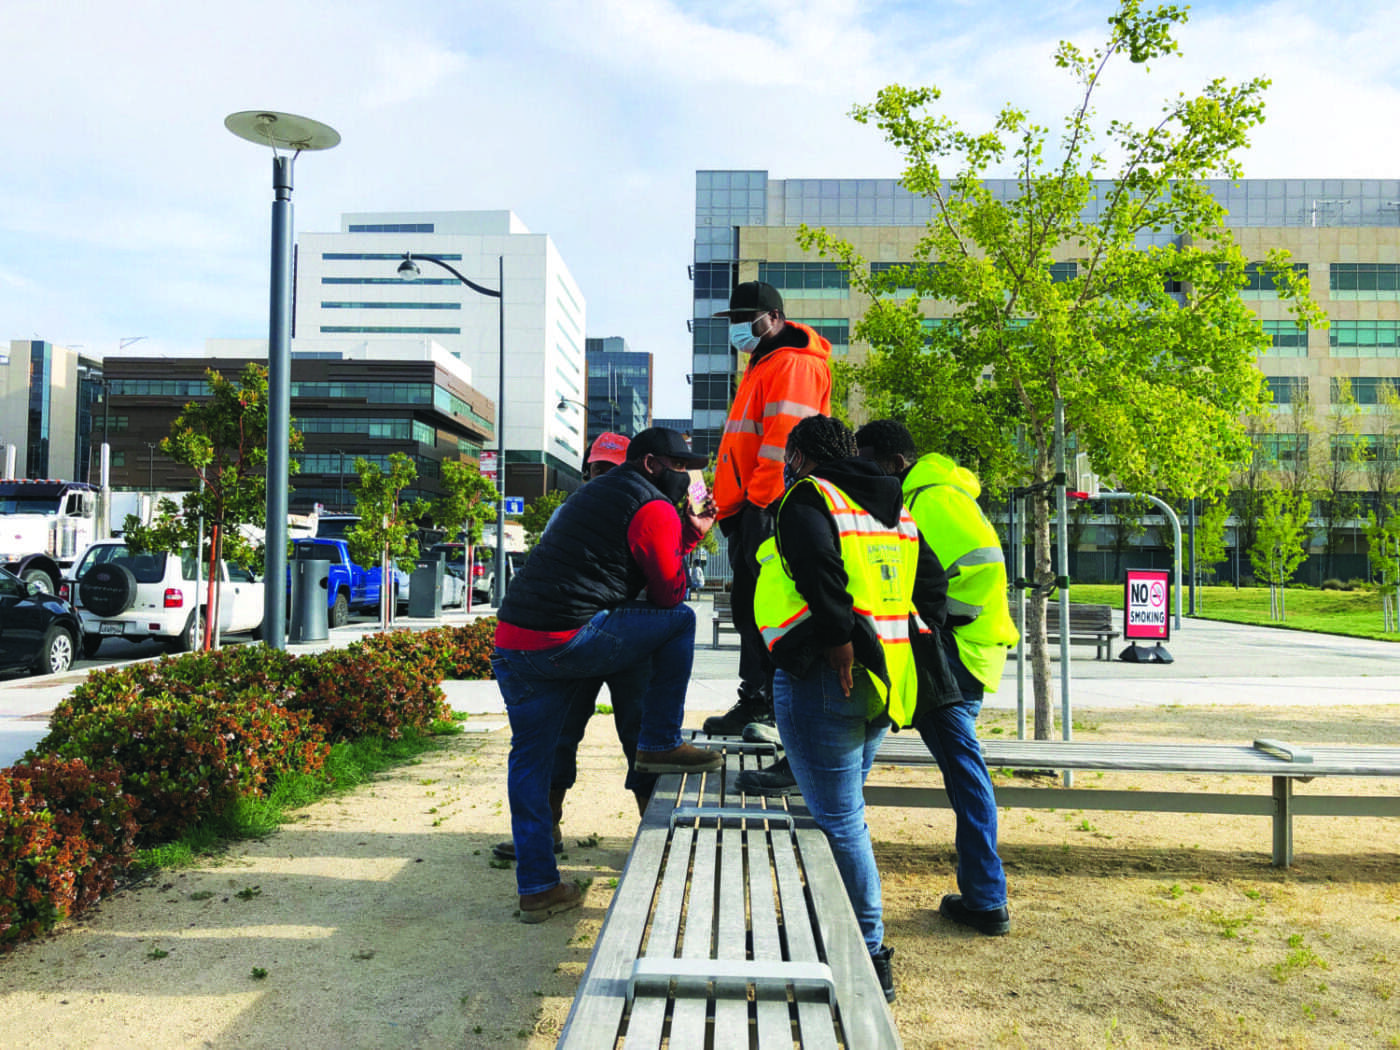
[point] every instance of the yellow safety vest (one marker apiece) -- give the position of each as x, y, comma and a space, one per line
880, 562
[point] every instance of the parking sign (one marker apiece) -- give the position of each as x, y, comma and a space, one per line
515, 504
1146, 600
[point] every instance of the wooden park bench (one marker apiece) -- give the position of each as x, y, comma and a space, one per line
1088, 625
730, 927
1284, 764
723, 617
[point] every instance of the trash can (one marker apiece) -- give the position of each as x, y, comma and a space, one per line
425, 587
310, 580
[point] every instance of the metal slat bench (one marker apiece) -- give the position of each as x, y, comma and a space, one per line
730, 928
1088, 625
723, 617
1284, 764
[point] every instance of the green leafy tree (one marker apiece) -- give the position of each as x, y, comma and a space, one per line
223, 441
1281, 544
1211, 549
1339, 500
1150, 350
1383, 450
538, 513
386, 530
1250, 478
467, 503
1383, 538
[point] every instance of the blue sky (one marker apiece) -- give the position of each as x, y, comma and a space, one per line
127, 210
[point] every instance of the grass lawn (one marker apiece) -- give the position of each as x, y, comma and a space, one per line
1354, 613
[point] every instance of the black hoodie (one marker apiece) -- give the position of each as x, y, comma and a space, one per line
810, 545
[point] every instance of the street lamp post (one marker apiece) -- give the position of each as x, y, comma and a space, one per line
151, 466
289, 132
340, 481
408, 270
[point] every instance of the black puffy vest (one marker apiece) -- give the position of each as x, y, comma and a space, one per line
582, 564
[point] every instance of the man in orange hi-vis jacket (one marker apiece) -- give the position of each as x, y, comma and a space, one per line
787, 379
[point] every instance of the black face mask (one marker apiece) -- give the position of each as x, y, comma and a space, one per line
674, 484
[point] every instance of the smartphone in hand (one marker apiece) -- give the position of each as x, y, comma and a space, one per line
697, 494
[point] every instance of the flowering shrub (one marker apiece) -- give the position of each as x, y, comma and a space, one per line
144, 752
186, 758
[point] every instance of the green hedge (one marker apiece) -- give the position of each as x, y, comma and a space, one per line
141, 754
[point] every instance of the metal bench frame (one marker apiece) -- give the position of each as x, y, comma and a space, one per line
723, 619
730, 918
1283, 763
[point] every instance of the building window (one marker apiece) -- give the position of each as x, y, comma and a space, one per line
1365, 338
1364, 280
368, 426
373, 393
1061, 272
1286, 339
370, 329
836, 332
159, 387
424, 434
1258, 283
806, 280
1366, 390
329, 305
381, 256
1284, 448
391, 227
714, 280
396, 281
1286, 389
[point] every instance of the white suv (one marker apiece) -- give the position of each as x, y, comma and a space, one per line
155, 595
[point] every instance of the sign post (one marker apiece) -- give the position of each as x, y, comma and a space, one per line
1146, 615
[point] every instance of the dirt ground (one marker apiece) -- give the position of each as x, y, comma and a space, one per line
376, 920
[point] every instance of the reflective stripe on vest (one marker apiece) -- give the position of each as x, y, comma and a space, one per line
880, 562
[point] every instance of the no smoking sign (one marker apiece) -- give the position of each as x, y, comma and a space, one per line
1146, 601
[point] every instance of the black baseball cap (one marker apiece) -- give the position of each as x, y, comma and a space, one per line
753, 297
662, 441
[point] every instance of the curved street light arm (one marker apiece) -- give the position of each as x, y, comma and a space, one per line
409, 257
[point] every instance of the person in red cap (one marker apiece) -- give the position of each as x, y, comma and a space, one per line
602, 592
625, 689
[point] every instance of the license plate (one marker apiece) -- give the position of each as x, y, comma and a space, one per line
111, 628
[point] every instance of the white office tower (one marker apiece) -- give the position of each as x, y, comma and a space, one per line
347, 284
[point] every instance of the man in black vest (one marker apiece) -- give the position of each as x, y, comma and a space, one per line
603, 590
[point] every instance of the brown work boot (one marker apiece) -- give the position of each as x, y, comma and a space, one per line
684, 759
536, 907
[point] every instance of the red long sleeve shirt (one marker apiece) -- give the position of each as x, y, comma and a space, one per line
659, 542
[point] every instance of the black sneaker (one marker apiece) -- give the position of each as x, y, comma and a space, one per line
506, 850
993, 923
762, 733
884, 970
753, 707
776, 781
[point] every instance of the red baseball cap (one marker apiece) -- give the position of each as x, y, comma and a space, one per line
609, 448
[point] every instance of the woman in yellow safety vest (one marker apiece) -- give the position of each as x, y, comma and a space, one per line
838, 587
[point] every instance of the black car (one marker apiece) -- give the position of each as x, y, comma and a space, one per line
38, 631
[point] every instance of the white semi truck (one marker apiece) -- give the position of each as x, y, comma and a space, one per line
46, 524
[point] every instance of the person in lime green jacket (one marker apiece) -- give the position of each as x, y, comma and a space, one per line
978, 632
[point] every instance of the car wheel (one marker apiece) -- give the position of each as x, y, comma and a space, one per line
340, 611
190, 639
91, 643
42, 578
56, 654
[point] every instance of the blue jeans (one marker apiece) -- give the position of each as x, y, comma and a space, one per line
831, 746
951, 735
625, 689
541, 688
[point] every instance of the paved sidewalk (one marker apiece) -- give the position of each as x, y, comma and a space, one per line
1215, 663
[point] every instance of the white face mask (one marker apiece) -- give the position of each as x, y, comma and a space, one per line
741, 337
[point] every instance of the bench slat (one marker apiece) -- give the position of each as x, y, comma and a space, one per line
814, 1016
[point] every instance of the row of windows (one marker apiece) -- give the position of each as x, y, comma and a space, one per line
390, 429
388, 280
160, 387
1289, 448
329, 305
382, 393
1365, 390
1364, 277
805, 278
1286, 336
714, 280
391, 227
379, 256
1257, 278
334, 463
446, 401
371, 329
1364, 334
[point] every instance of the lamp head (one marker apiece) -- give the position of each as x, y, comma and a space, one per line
408, 269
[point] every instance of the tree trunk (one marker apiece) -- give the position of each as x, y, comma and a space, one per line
1041, 576
211, 605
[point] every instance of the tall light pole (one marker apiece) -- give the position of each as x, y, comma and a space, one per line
151, 468
408, 270
289, 132
340, 482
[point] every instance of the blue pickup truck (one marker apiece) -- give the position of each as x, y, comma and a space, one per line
351, 586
